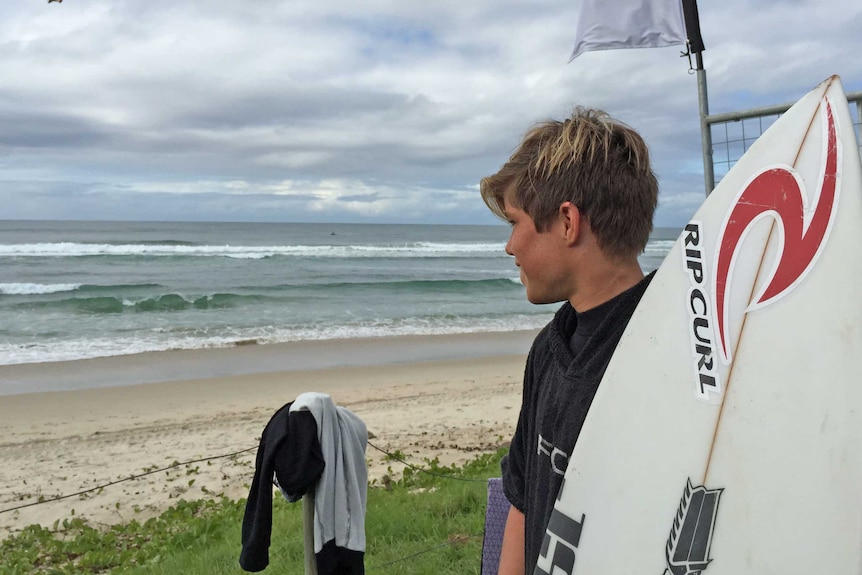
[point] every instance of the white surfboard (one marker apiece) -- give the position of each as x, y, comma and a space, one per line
726, 436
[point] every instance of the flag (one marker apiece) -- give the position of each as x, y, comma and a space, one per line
611, 24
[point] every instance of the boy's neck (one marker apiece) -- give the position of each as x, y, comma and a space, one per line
603, 282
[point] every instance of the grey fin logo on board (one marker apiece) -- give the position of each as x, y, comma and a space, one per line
687, 550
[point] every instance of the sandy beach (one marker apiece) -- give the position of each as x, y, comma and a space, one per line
450, 397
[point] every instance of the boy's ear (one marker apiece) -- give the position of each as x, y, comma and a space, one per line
570, 216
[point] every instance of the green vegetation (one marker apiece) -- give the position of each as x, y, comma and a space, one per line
422, 524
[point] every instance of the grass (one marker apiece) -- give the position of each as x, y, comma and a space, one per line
419, 524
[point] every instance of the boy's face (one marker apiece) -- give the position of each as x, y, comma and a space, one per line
538, 255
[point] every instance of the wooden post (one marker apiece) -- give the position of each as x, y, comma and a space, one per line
308, 533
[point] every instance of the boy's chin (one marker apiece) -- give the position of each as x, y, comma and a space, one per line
541, 299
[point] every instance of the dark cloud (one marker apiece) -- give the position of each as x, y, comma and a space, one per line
25, 129
301, 106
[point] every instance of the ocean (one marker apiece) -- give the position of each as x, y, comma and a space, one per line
74, 290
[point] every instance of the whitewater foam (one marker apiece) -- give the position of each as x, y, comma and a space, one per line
36, 289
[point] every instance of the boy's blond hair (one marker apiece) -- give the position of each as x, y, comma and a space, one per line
591, 160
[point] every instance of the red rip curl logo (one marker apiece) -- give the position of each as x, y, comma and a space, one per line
779, 192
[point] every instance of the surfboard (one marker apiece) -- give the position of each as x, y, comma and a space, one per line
726, 435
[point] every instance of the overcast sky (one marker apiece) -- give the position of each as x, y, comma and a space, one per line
371, 111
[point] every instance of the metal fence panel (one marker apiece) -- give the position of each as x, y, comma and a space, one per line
734, 132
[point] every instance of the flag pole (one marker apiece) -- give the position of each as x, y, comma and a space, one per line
705, 131
696, 47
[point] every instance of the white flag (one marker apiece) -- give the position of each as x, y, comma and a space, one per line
611, 24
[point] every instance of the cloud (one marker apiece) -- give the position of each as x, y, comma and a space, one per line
378, 111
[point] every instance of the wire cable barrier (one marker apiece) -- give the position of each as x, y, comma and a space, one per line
240, 452
224, 456
129, 478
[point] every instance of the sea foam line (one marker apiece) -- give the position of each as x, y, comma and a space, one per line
35, 289
419, 249
47, 352
414, 250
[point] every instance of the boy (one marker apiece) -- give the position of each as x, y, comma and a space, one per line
580, 197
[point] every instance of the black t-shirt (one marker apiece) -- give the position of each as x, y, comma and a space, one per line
558, 390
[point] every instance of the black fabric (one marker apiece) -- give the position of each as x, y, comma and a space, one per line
558, 391
299, 462
588, 323
334, 560
289, 450
692, 26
